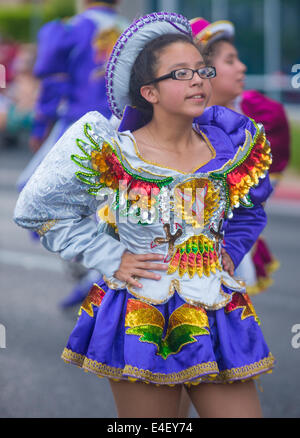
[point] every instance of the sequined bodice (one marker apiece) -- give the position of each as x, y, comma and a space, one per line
153, 208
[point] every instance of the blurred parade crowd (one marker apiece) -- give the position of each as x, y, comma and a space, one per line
18, 93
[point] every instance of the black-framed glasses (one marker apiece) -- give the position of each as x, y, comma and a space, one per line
186, 74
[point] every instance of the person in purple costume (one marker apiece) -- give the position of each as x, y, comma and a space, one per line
169, 311
71, 60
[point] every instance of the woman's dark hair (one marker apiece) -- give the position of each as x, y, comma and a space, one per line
210, 51
145, 67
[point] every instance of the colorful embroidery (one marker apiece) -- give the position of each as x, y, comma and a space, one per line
240, 175
169, 239
94, 297
197, 255
103, 168
196, 200
242, 301
147, 322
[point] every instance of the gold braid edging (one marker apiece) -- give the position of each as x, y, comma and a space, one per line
46, 227
208, 371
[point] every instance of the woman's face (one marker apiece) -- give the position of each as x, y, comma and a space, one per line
185, 98
230, 78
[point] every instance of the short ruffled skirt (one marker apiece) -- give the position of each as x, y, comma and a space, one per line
121, 337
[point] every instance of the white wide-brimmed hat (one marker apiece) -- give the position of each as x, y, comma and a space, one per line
127, 49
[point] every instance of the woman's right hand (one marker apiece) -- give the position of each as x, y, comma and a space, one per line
138, 265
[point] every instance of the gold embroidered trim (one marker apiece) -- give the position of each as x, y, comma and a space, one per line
46, 227
232, 161
112, 285
177, 286
240, 282
259, 367
152, 163
174, 286
139, 169
209, 371
193, 382
107, 371
151, 300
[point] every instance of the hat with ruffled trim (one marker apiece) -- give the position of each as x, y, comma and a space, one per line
128, 47
205, 32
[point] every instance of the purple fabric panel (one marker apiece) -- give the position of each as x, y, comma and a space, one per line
272, 115
53, 89
55, 41
262, 191
132, 120
242, 231
232, 123
231, 342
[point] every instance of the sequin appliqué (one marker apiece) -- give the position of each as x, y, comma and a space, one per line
94, 298
148, 323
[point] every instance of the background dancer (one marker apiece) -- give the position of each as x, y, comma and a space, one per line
216, 42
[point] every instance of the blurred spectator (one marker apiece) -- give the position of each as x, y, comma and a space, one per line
18, 98
8, 52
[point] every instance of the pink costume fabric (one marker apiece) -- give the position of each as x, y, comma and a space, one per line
272, 115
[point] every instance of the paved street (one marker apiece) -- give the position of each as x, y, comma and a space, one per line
35, 382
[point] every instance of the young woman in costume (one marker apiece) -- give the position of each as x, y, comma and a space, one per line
169, 311
216, 42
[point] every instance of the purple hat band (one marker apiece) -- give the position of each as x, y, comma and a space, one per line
127, 48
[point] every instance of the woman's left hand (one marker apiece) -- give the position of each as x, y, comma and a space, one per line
228, 264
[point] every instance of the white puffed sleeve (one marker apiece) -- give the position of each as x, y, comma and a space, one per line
58, 205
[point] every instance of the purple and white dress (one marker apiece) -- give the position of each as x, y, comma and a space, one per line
196, 324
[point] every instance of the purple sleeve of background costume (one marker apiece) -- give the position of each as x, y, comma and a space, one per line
55, 43
52, 91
